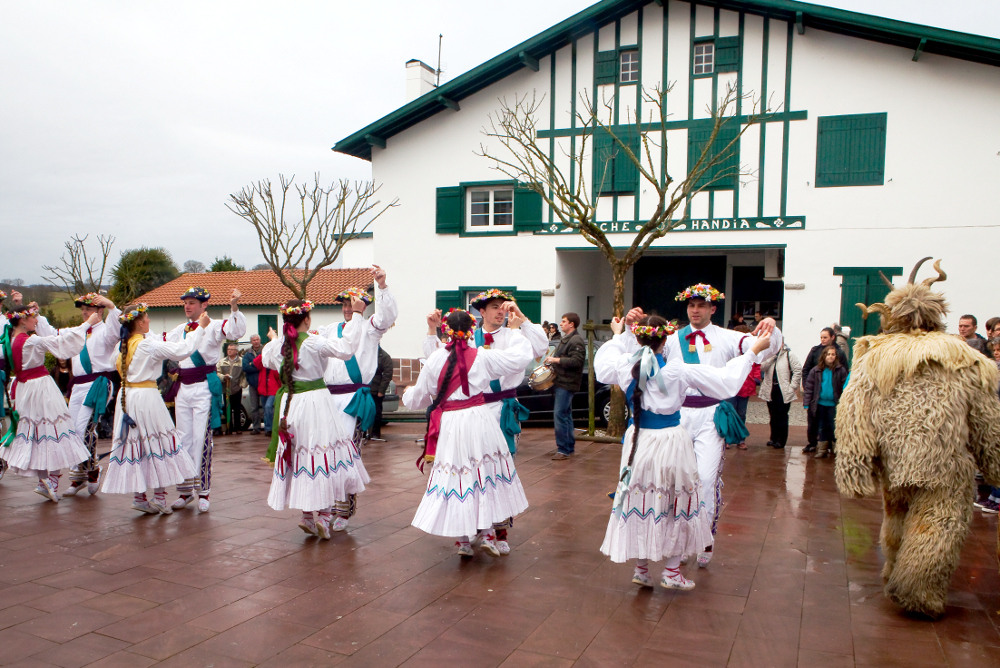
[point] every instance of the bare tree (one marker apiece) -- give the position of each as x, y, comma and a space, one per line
572, 194
194, 267
330, 217
80, 273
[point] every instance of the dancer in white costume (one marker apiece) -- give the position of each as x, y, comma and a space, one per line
658, 512
315, 462
146, 451
93, 369
197, 395
348, 380
502, 395
473, 483
41, 439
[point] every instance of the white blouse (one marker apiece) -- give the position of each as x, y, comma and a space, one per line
151, 353
215, 334
502, 341
372, 330
64, 345
488, 365
314, 352
102, 344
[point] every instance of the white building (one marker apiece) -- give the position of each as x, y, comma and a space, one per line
884, 148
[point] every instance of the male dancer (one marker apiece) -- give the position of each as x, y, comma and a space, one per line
701, 342
93, 370
198, 403
348, 380
502, 399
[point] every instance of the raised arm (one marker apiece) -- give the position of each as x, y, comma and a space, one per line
175, 350
431, 345
715, 382
421, 394
235, 326
65, 344
612, 364
44, 328
386, 310
270, 356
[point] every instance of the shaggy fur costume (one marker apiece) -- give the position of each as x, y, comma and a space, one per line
919, 415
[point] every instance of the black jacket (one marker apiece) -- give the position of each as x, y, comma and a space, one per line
571, 352
383, 373
812, 359
814, 382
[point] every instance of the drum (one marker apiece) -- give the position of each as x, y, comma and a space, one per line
542, 378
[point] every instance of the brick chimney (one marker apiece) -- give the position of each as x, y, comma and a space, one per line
419, 79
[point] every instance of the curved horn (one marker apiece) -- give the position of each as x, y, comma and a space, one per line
913, 274
886, 280
940, 277
877, 307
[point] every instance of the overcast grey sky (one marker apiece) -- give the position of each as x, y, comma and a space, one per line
137, 118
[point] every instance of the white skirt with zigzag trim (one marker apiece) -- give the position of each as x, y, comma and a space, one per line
473, 483
326, 465
151, 455
661, 514
45, 439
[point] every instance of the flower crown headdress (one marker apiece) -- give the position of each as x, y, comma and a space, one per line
353, 293
480, 300
30, 310
133, 313
86, 300
299, 309
700, 291
3, 295
452, 333
199, 293
658, 332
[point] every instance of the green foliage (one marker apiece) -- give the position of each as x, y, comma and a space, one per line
138, 271
225, 263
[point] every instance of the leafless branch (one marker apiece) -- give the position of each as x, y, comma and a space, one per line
80, 272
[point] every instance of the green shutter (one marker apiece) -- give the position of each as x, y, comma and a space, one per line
729, 166
530, 303
527, 209
626, 173
606, 67
604, 164
854, 290
727, 54
447, 299
264, 322
449, 210
850, 150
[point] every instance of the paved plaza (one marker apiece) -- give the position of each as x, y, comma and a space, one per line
795, 581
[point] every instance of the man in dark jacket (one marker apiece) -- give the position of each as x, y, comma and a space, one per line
567, 362
827, 337
379, 386
250, 371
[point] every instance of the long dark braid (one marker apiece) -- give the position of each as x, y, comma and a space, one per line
292, 322
127, 330
653, 342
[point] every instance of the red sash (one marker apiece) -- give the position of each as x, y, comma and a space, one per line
459, 378
21, 375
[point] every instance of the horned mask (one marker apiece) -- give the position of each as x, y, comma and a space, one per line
912, 307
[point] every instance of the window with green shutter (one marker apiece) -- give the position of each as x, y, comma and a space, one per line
862, 285
850, 150
265, 322
614, 171
606, 67
530, 303
724, 175
488, 208
450, 210
449, 299
727, 54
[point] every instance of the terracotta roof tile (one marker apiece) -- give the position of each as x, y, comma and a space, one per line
259, 287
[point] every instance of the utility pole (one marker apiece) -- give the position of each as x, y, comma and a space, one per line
440, 39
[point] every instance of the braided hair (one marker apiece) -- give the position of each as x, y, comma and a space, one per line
653, 342
290, 330
127, 329
457, 321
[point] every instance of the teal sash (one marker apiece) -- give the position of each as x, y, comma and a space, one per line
99, 394
215, 387
689, 356
727, 421
512, 412
362, 406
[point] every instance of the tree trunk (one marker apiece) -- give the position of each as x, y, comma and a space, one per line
617, 420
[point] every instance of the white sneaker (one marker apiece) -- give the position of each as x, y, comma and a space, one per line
675, 581
642, 579
464, 548
323, 528
144, 507
339, 524
703, 559
308, 524
182, 502
489, 544
203, 504
161, 507
503, 546
95, 486
46, 489
73, 488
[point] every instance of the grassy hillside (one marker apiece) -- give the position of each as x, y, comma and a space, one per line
63, 308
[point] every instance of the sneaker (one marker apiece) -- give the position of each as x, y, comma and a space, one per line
73, 488
991, 506
642, 579
308, 524
464, 548
559, 456
161, 506
46, 489
488, 543
145, 507
323, 528
94, 481
978, 503
182, 501
203, 504
703, 559
503, 547
674, 580
339, 524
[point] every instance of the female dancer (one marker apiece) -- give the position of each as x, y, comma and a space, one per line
657, 512
41, 440
146, 452
473, 483
316, 463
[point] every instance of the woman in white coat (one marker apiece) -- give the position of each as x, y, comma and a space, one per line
780, 376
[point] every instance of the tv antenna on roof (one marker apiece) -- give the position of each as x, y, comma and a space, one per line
438, 72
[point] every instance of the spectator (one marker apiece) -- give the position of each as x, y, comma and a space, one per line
268, 383
379, 386
842, 337
826, 338
230, 370
779, 378
554, 332
967, 325
251, 374
567, 362
749, 388
736, 321
821, 395
992, 325
62, 373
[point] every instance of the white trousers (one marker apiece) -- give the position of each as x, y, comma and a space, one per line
191, 410
708, 447
81, 416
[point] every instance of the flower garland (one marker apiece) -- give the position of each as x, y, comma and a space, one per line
199, 293
658, 332
700, 291
353, 293
304, 307
29, 310
86, 300
452, 333
133, 313
3, 295
493, 293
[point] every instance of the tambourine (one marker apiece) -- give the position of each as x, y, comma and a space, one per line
542, 378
